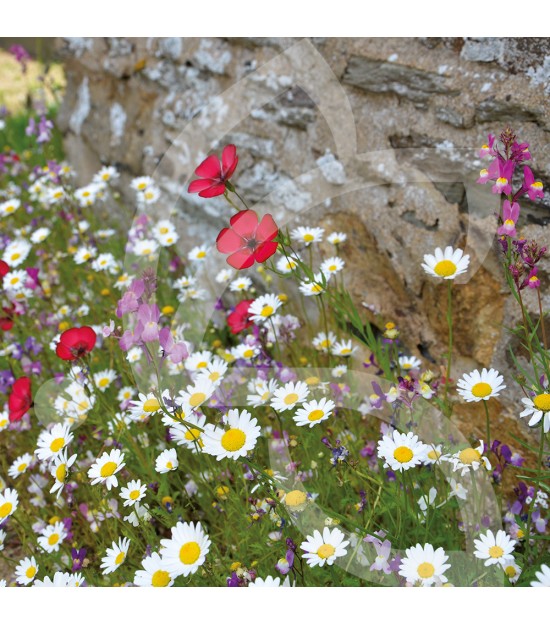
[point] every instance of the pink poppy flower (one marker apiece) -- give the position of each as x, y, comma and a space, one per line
214, 174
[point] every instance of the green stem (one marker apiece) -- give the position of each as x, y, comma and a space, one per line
488, 424
450, 326
535, 493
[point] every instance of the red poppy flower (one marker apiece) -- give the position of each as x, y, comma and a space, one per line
239, 319
20, 399
75, 343
4, 268
214, 173
6, 321
248, 241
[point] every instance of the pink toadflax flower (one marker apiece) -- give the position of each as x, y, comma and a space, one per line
510, 214
532, 188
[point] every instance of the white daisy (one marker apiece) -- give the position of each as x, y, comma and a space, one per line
115, 556
59, 469
52, 537
244, 351
84, 254
39, 235
494, 549
198, 360
262, 391
543, 577
106, 174
343, 348
186, 550
264, 307
166, 461
537, 407
197, 394
307, 235
15, 281
400, 451
476, 386
214, 371
4, 422
198, 253
140, 513
133, 492
9, 501
457, 490
236, 440
51, 443
324, 548
323, 342
288, 396
511, 570
143, 408
224, 276
424, 566
313, 412
469, 459
19, 466
104, 469
435, 455
315, 286
408, 363
243, 283
9, 207
447, 265
104, 379
16, 252
2, 539
187, 435
336, 238
331, 266
287, 264
145, 247
60, 580
154, 573
26, 571
269, 581
141, 183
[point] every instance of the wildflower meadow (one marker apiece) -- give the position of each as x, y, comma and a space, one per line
229, 414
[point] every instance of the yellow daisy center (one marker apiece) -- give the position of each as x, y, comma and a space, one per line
233, 439
31, 572
22, 467
202, 365
496, 552
326, 551
120, 558
192, 434
57, 444
425, 570
103, 382
169, 465
196, 399
308, 238
14, 280
160, 579
445, 268
291, 398
190, 552
214, 376
295, 498
201, 254
469, 455
53, 539
542, 402
510, 571
481, 389
403, 454
248, 353
5, 509
316, 288
61, 473
135, 494
267, 311
15, 255
433, 454
151, 405
108, 469
315, 415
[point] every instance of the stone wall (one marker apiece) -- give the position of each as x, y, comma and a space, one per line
377, 137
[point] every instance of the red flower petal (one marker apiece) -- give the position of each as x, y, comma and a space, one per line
265, 250
229, 241
199, 185
213, 191
209, 168
4, 268
245, 223
242, 259
267, 230
76, 342
229, 161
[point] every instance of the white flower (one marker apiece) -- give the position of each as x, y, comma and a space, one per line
469, 459
537, 407
543, 577
423, 565
315, 286
198, 253
324, 548
186, 550
336, 238
84, 254
313, 412
447, 265
343, 348
263, 308
457, 490
145, 247
52, 537
197, 394
407, 363
9, 207
52, 443
243, 283
511, 570
133, 493
494, 549
244, 351
307, 235
224, 276
115, 556
105, 174
269, 581
187, 435
331, 266
105, 468
154, 573
16, 252
26, 571
262, 391
59, 470
401, 451
8, 503
476, 386
323, 342
286, 397
287, 264
39, 235
103, 379
19, 465
235, 441
166, 461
